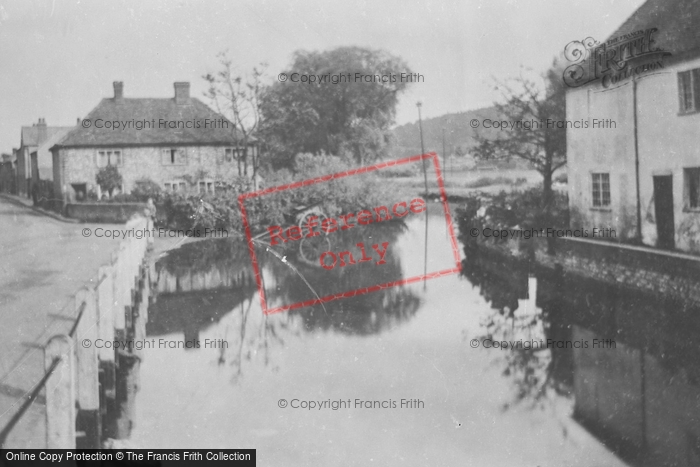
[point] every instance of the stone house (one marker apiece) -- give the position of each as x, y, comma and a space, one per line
32, 138
633, 128
179, 143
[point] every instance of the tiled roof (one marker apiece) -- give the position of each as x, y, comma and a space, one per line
677, 21
30, 134
151, 110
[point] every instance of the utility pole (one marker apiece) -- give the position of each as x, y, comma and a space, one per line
422, 146
425, 178
444, 155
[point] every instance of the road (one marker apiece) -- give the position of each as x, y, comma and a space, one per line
43, 263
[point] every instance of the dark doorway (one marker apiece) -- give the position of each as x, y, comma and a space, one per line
663, 209
80, 191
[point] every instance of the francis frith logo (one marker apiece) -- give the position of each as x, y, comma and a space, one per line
613, 61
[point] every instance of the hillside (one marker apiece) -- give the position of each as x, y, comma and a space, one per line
458, 133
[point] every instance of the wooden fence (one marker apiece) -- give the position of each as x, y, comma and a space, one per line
79, 376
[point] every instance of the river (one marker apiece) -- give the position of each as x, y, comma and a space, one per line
395, 375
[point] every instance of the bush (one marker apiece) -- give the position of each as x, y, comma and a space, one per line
109, 179
342, 195
145, 188
521, 209
221, 210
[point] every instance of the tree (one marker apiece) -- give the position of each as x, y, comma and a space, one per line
348, 109
109, 179
544, 145
237, 97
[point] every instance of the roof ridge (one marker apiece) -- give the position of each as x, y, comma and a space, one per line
136, 121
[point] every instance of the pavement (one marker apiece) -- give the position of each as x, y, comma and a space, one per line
44, 260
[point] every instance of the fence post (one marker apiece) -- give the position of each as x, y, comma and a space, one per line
150, 228
118, 309
105, 319
60, 394
88, 386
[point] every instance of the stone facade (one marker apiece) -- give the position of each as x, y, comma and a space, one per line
665, 143
665, 274
194, 164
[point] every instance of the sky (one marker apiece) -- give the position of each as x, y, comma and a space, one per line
59, 58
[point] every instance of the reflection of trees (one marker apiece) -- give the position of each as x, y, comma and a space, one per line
252, 334
362, 314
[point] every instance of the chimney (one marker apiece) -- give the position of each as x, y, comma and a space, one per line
118, 91
182, 92
41, 131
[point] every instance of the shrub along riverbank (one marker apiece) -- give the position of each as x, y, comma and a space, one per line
520, 209
221, 209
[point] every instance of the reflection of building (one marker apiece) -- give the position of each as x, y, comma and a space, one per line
641, 395
179, 143
190, 301
641, 174
189, 313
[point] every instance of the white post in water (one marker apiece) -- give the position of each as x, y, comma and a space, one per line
60, 394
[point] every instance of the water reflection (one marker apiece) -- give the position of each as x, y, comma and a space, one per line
642, 395
361, 314
203, 283
391, 344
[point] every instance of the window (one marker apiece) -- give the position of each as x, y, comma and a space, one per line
175, 187
233, 154
107, 158
172, 156
206, 186
689, 90
601, 189
692, 188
